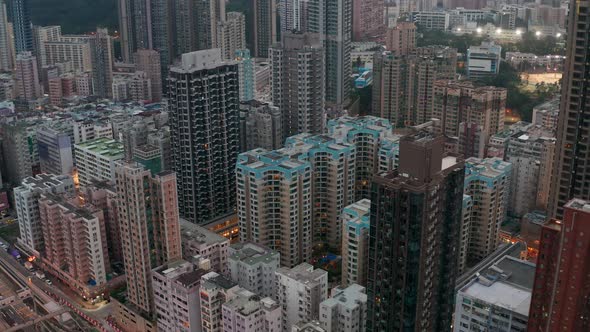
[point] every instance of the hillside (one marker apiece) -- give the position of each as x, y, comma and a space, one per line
75, 16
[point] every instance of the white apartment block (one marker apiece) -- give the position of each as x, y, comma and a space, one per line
90, 130
176, 287
96, 159
496, 299
345, 310
253, 267
73, 50
355, 242
300, 292
215, 291
201, 242
248, 313
27, 206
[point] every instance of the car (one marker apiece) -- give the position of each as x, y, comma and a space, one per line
48, 282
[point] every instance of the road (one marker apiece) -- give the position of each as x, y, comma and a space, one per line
41, 289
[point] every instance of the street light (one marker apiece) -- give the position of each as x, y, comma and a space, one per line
538, 33
558, 35
479, 30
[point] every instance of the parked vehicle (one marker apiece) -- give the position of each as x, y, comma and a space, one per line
40, 275
29, 266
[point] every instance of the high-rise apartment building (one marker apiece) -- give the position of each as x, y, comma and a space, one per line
75, 241
403, 84
17, 145
103, 195
27, 77
367, 19
414, 238
457, 102
401, 39
264, 27
531, 154
572, 149
148, 61
467, 212
560, 292
261, 126
135, 26
355, 242
231, 35
275, 203
26, 198
345, 310
23, 28
150, 232
377, 148
6, 61
253, 267
487, 182
332, 21
203, 103
300, 292
101, 48
298, 83
247, 74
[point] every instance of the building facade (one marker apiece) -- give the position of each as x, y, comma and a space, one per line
355, 242
300, 292
414, 238
96, 159
345, 310
560, 278
204, 159
298, 83
253, 267
261, 126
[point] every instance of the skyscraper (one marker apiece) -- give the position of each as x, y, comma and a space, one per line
101, 48
264, 27
231, 35
23, 28
150, 232
135, 26
414, 238
298, 83
572, 152
163, 33
148, 61
5, 40
332, 20
401, 39
247, 74
561, 290
367, 19
203, 101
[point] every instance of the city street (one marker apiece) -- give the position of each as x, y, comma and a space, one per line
40, 288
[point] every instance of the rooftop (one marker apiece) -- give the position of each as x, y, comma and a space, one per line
45, 181
507, 284
579, 204
106, 147
349, 297
199, 234
251, 254
489, 168
304, 273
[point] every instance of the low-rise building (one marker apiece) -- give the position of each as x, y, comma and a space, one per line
199, 241
248, 313
497, 298
215, 291
96, 159
345, 310
253, 267
300, 292
484, 60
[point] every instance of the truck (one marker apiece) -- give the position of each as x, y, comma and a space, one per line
40, 274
